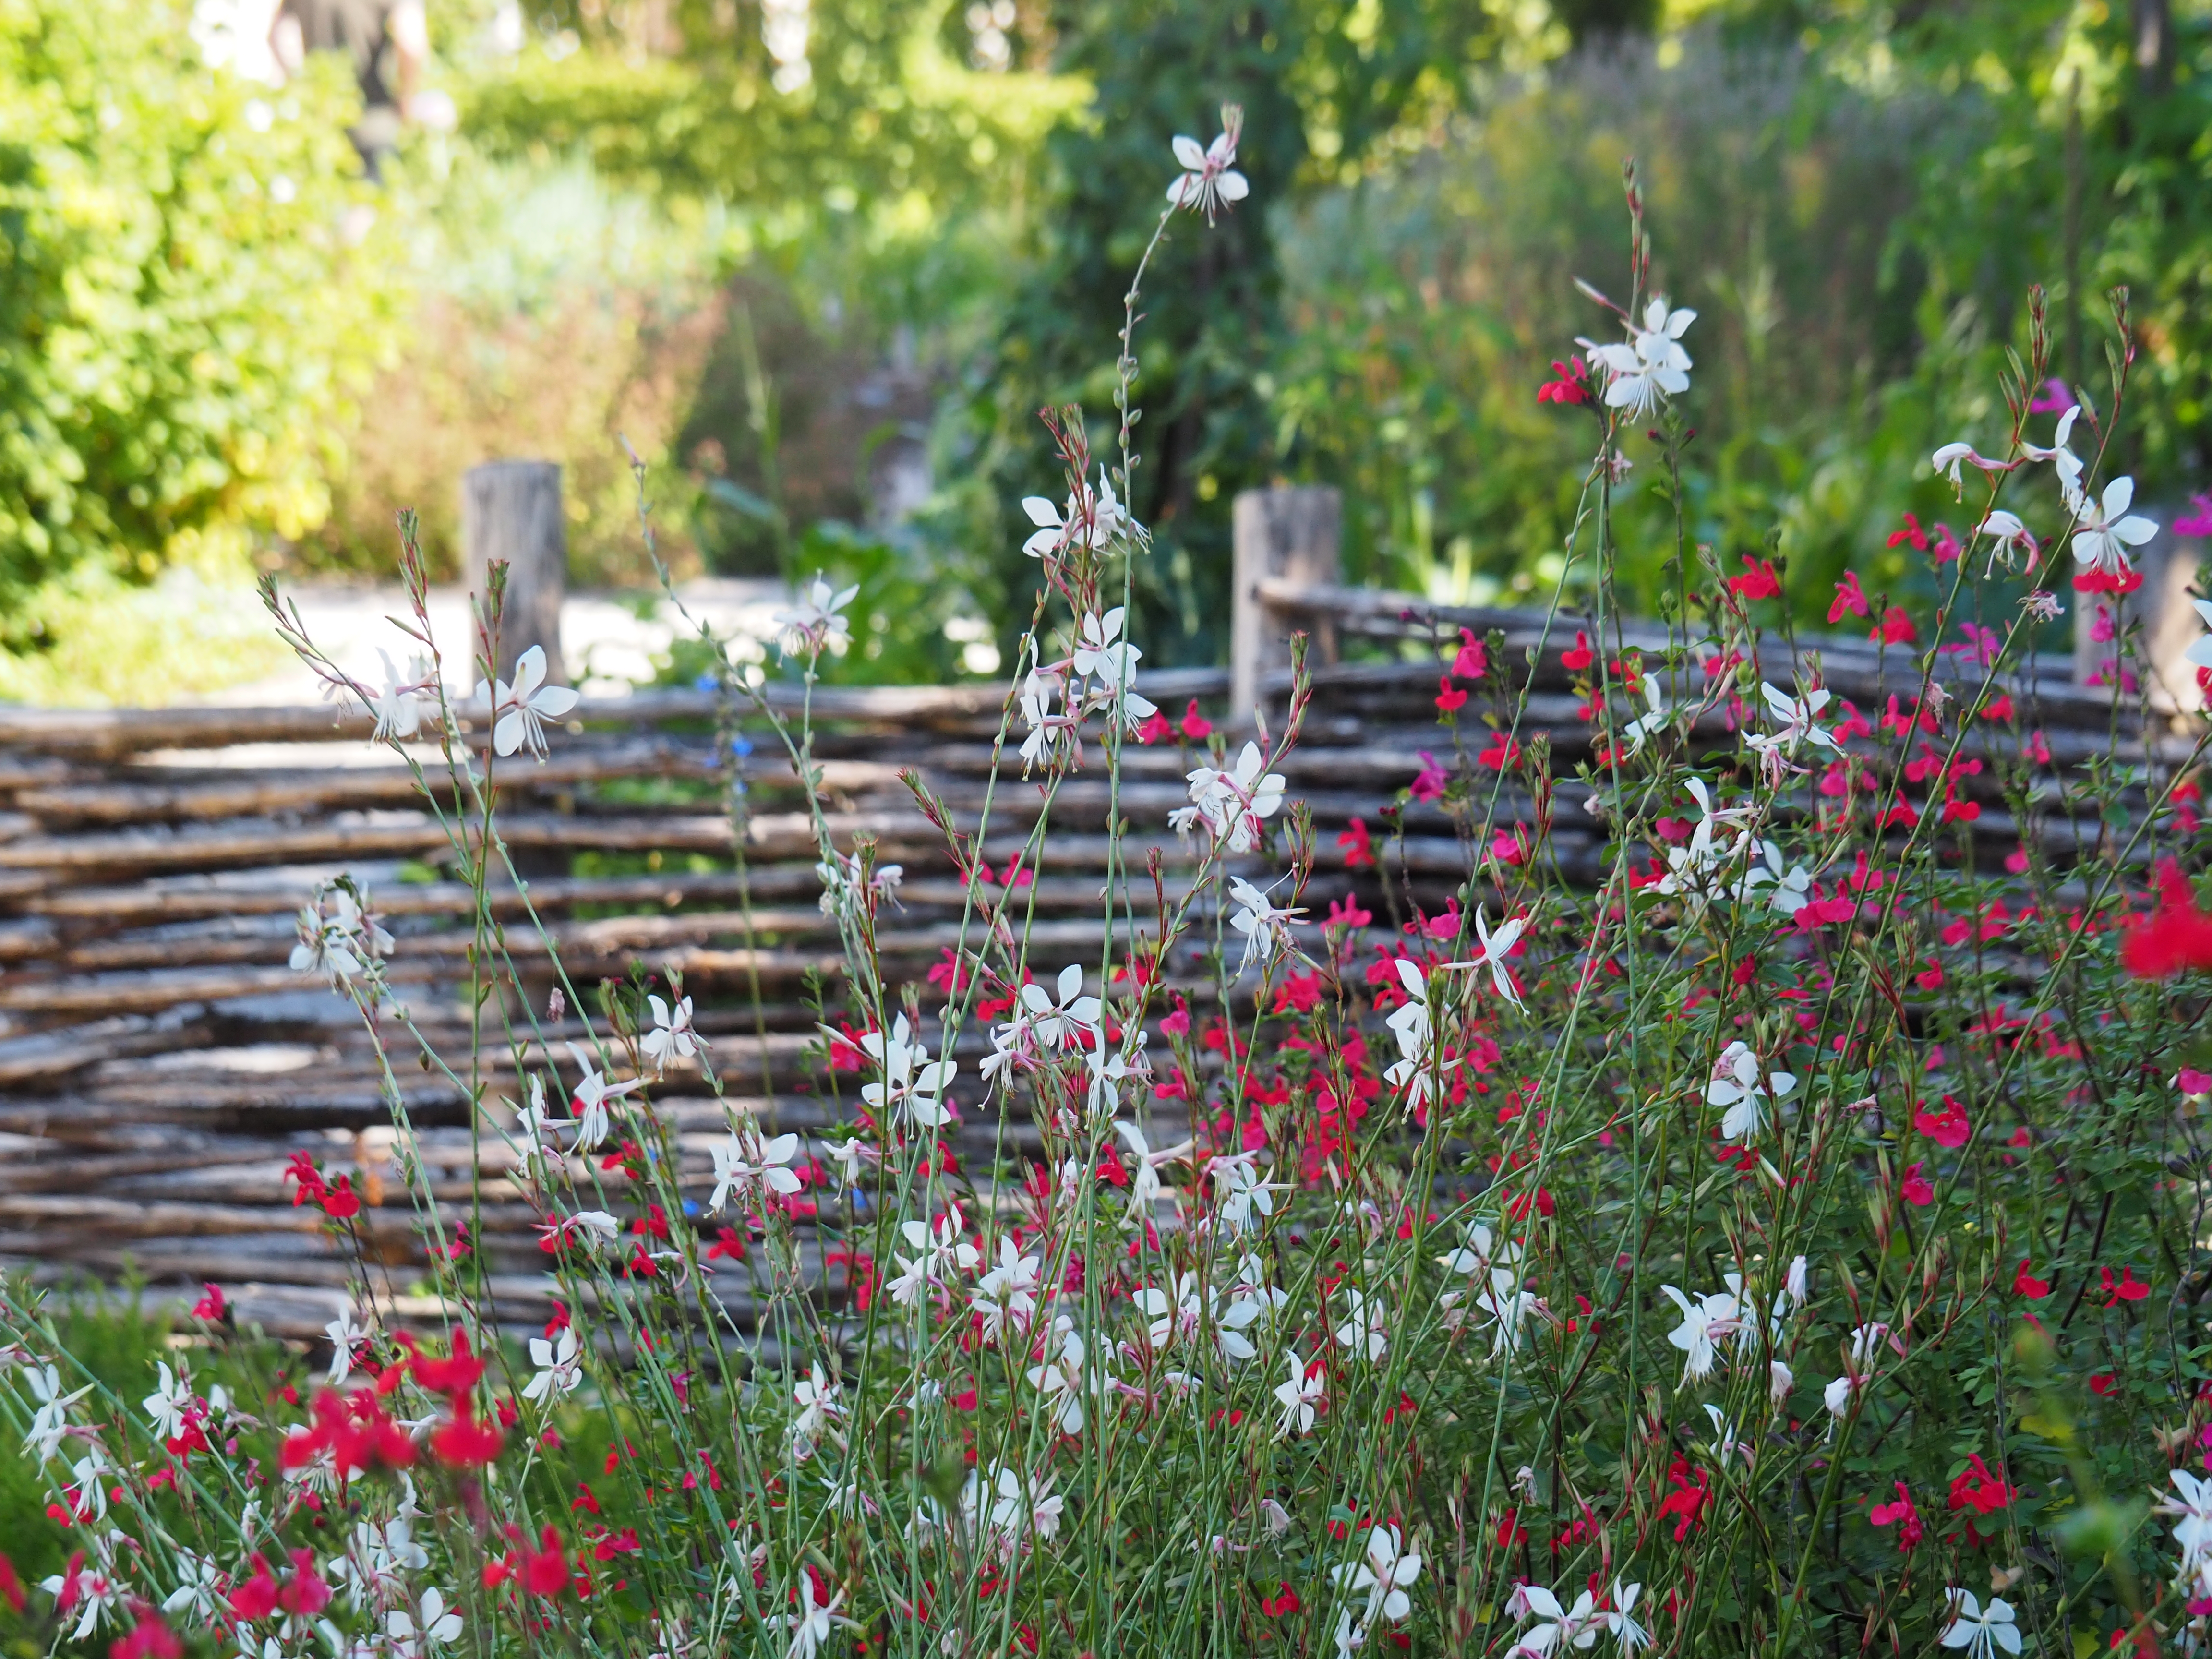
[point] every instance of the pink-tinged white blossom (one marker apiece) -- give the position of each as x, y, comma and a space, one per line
1651, 364
519, 711
1209, 182
1982, 1633
1706, 1323
2108, 530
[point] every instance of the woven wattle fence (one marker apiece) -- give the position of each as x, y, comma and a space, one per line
160, 1060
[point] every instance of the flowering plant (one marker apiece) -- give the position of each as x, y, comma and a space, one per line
1771, 1228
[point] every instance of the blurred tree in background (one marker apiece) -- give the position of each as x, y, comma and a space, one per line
184, 320
796, 249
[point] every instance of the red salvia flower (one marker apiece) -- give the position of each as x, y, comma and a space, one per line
2129, 1288
1758, 580
452, 1377
1850, 599
1903, 1515
2177, 936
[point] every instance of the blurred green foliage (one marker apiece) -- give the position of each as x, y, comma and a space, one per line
185, 319
763, 269
1855, 197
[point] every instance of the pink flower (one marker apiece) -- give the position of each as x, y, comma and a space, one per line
1896, 628
2053, 400
1948, 1127
1850, 599
1916, 1189
1882, 1515
1429, 781
2128, 1289
1758, 580
1473, 662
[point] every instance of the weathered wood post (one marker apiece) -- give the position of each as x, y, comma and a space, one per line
1294, 531
511, 510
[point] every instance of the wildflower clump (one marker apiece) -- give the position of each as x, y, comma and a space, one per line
1743, 1198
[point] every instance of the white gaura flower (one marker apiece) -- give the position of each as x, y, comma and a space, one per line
1302, 1393
1384, 1571
167, 1406
1008, 1294
1040, 691
1266, 930
345, 1336
1797, 720
2008, 535
1836, 1396
1984, 1632
1056, 1017
2063, 460
911, 1081
817, 1397
89, 1593
672, 1037
438, 1626
519, 712
1795, 1283
559, 1369
1100, 650
398, 708
1792, 886
1496, 947
376, 1565
1621, 1621
1243, 1195
1090, 524
2200, 650
2192, 1531
811, 1624
748, 1167
200, 1585
1233, 803
1509, 1306
596, 1227
1953, 456
815, 622
1365, 1328
1728, 1440
1706, 1322
1410, 1024
590, 1102
1652, 722
1059, 1377
338, 933
1735, 1086
1144, 1185
1780, 1379
1209, 182
1561, 1627
1480, 1254
2108, 530
1651, 364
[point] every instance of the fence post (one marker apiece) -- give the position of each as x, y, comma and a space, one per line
1290, 531
511, 510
